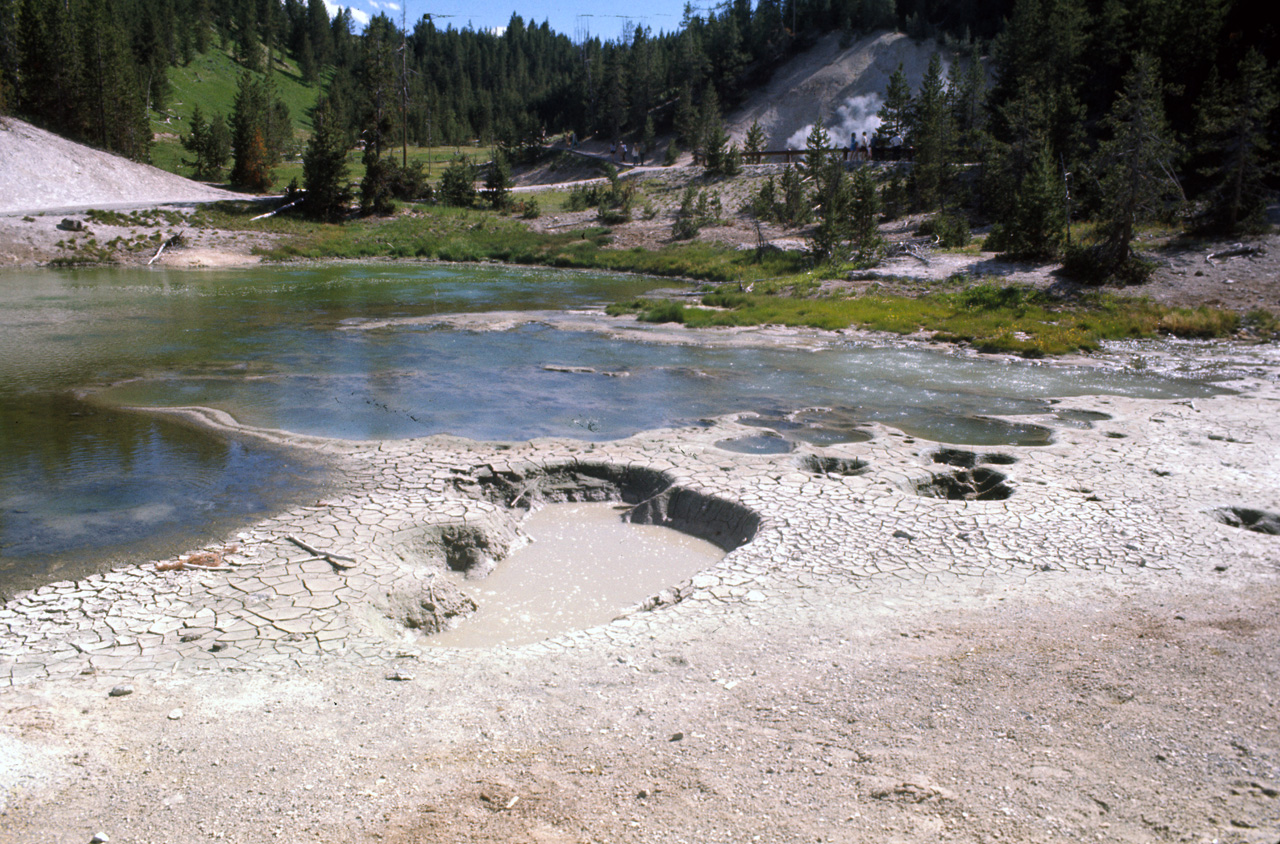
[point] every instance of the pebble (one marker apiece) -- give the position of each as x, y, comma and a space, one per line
175, 714
120, 691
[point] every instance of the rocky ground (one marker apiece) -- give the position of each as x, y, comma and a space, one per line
907, 643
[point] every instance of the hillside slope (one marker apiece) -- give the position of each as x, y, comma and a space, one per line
40, 171
844, 86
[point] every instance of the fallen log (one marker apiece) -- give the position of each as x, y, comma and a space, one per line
1237, 251
277, 211
176, 240
336, 560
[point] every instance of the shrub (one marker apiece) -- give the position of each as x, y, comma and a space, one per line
457, 184
667, 311
1098, 264
951, 230
697, 209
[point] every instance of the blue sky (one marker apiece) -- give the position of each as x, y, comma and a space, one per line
596, 17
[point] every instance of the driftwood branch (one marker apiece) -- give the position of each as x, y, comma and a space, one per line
277, 211
1237, 251
173, 241
336, 560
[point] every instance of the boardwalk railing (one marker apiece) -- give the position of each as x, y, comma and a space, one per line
793, 156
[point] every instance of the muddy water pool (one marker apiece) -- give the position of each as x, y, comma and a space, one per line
343, 351
582, 567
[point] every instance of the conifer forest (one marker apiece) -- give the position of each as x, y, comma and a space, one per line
1140, 103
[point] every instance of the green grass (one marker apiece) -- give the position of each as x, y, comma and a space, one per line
457, 234
210, 82
785, 291
993, 319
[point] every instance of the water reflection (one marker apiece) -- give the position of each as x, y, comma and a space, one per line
81, 484
276, 348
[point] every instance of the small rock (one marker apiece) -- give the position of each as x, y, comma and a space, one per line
99, 838
120, 691
676, 737
175, 714
902, 534
399, 676
642, 793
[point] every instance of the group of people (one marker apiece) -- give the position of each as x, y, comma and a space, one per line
637, 157
859, 148
617, 152
863, 149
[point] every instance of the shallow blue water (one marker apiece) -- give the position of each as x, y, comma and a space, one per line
293, 348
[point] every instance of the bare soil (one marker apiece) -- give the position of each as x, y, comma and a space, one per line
1057, 710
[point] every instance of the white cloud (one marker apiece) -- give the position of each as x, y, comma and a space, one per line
357, 15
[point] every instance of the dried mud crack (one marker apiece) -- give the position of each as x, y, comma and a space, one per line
1088, 657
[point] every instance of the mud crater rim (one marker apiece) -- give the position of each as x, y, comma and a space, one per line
1249, 518
977, 484
426, 602
965, 459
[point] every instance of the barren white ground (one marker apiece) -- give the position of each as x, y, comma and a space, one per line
880, 677
1093, 658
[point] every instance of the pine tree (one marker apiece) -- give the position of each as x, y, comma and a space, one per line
114, 107
932, 136
795, 210
709, 127
248, 47
377, 78
686, 117
715, 152
895, 114
209, 143
497, 183
251, 167
966, 90
1135, 168
817, 152
755, 142
832, 198
318, 34
864, 216
377, 186
1234, 117
324, 169
457, 184
1034, 227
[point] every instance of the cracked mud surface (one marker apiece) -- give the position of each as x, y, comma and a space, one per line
1091, 658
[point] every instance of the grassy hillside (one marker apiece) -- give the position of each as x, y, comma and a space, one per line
210, 82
